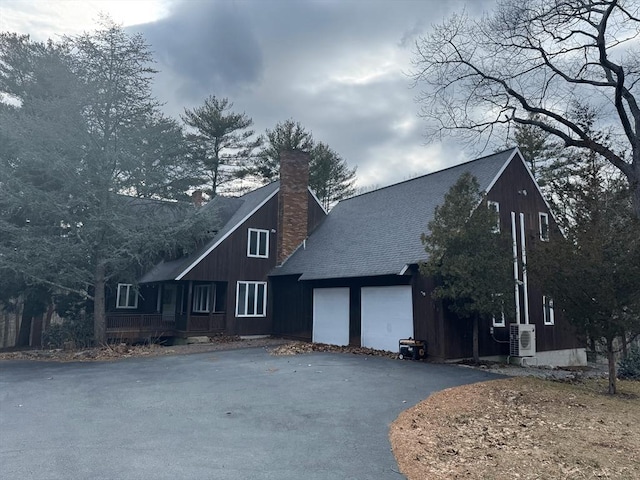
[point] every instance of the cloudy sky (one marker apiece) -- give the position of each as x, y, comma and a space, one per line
339, 67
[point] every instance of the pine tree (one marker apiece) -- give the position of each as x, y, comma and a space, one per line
329, 175
222, 143
286, 136
470, 261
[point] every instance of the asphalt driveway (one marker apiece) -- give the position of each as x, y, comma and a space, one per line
237, 415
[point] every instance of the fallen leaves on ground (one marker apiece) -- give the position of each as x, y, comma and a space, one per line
521, 428
123, 350
296, 348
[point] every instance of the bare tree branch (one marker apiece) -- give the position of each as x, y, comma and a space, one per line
541, 57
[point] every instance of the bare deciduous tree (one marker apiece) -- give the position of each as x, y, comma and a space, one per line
531, 63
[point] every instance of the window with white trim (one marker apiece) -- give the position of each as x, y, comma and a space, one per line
258, 243
544, 226
548, 314
201, 302
127, 296
495, 206
251, 299
500, 320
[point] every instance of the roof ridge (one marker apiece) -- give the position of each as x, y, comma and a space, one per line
431, 173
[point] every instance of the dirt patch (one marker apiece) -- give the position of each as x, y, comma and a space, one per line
296, 348
523, 428
122, 350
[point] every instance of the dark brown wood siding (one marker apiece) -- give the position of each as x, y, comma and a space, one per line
291, 307
428, 316
509, 191
229, 263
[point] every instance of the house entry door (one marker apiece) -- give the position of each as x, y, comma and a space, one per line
169, 303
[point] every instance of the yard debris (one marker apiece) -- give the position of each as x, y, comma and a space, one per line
123, 350
297, 348
525, 428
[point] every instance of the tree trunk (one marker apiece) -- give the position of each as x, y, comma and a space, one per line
476, 348
612, 366
625, 345
17, 323
99, 317
635, 191
47, 320
24, 334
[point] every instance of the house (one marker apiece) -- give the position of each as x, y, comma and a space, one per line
356, 280
222, 287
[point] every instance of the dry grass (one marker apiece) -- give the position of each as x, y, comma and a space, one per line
522, 428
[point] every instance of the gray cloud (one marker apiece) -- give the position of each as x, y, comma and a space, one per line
210, 46
338, 67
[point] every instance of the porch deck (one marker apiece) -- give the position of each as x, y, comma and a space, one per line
138, 326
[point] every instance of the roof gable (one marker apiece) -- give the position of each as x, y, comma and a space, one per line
230, 213
378, 233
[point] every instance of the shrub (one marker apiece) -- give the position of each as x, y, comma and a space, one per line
76, 331
629, 368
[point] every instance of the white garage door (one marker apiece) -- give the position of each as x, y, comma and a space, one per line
331, 316
387, 316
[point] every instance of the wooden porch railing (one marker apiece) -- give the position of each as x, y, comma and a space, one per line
124, 324
134, 325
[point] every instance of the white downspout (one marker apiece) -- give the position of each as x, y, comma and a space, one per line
524, 270
515, 265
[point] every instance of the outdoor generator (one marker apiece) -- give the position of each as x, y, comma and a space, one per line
412, 349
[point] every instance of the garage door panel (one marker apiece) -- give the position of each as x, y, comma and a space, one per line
331, 316
387, 316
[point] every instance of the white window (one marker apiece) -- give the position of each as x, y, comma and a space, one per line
127, 296
495, 206
547, 305
258, 243
251, 299
544, 226
500, 320
201, 299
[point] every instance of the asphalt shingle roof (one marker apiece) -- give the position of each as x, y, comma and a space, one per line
378, 233
228, 212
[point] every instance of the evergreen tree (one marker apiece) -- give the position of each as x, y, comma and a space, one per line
470, 261
222, 143
538, 148
329, 175
286, 136
78, 156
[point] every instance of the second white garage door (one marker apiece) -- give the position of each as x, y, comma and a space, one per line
387, 316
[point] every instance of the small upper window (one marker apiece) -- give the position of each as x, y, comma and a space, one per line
548, 314
258, 243
127, 296
495, 206
544, 226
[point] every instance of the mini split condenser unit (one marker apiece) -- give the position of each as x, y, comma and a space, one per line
522, 340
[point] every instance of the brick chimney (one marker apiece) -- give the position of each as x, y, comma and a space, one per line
292, 202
